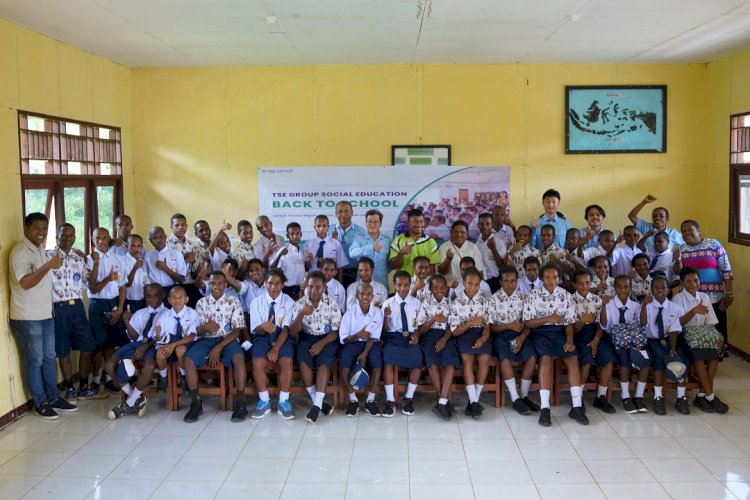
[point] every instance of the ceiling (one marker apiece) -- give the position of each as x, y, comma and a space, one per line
140, 33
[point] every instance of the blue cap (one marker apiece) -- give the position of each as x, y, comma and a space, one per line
676, 369
125, 370
359, 377
639, 358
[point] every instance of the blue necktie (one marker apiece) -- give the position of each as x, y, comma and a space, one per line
660, 323
319, 255
622, 310
148, 326
178, 329
272, 313
404, 318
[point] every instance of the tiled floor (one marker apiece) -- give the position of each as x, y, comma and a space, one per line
84, 455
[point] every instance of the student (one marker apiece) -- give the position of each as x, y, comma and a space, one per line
270, 316
374, 245
551, 251
661, 319
268, 242
438, 346
220, 322
72, 328
174, 333
550, 202
316, 323
602, 283
220, 247
421, 279
200, 248
593, 346
511, 339
502, 225
119, 244
365, 268
469, 322
164, 265
594, 215
659, 220
531, 281
520, 250
346, 232
661, 258
291, 259
625, 251
491, 246
140, 327
106, 301
619, 312
255, 281
452, 251
572, 262
244, 251
179, 242
607, 247
322, 247
640, 278
457, 288
401, 343
414, 243
359, 335
134, 269
698, 312
333, 288
552, 335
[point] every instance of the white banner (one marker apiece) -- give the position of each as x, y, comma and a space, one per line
445, 193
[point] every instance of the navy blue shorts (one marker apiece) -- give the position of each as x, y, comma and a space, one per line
447, 357
466, 342
398, 352
501, 343
659, 351
106, 335
349, 353
198, 352
262, 344
326, 357
127, 351
605, 352
72, 329
549, 341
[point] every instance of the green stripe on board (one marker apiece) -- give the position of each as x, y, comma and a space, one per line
420, 151
442, 161
420, 161
400, 160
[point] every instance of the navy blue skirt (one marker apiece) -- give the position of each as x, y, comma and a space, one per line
467, 340
605, 352
350, 353
446, 357
549, 341
658, 351
501, 343
398, 352
326, 357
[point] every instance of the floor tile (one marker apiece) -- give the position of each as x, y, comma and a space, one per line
491, 491
305, 491
570, 491
123, 488
441, 491
559, 471
601, 448
657, 448
390, 491
207, 469
498, 472
83, 465
27, 463
326, 448
423, 470
61, 488
491, 449
319, 470
177, 489
145, 466
728, 469
367, 471
623, 470
13, 487
255, 490
677, 469
620, 491
217, 446
698, 490
548, 449
381, 449
268, 470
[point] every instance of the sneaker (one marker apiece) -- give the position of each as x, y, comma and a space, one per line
262, 408
602, 404
161, 384
111, 387
659, 407
578, 415
682, 406
703, 403
640, 405
313, 414
195, 411
407, 406
467, 411
286, 410
371, 407
521, 407
61, 405
240, 409
628, 406
352, 408
389, 409
327, 408
719, 406
476, 410
71, 394
119, 411
95, 387
545, 418
46, 412
532, 405
89, 393
140, 405
441, 411
451, 409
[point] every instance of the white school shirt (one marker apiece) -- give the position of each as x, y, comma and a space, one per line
632, 315
140, 279
119, 250
670, 316
379, 294
505, 309
468, 249
354, 320
140, 318
167, 321
218, 257
332, 249
106, 262
622, 258
541, 303
325, 318
506, 233
484, 290
524, 285
261, 305
226, 311
184, 247
491, 269
430, 307
687, 301
393, 323
336, 291
591, 252
610, 285
590, 304
293, 264
263, 243
253, 291
464, 309
175, 261
68, 280
519, 256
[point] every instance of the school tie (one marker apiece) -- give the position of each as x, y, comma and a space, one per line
178, 329
622, 310
326, 292
404, 319
660, 323
532, 285
319, 255
272, 313
653, 262
149, 324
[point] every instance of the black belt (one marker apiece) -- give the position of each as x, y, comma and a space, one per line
70, 302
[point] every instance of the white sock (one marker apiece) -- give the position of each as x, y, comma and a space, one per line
263, 395
319, 399
640, 388
442, 401
370, 396
163, 373
97, 380
311, 391
710, 397
625, 390
126, 389
680, 392
657, 392
389, 392
601, 390
353, 397
410, 390
544, 398
576, 394
472, 392
283, 396
511, 385
182, 371
525, 386
133, 397
479, 388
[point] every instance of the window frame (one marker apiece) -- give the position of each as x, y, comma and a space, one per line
736, 171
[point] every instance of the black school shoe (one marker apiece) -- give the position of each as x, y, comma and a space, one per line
628, 406
389, 409
327, 408
61, 405
371, 407
120, 411
441, 411
352, 408
703, 403
545, 417
451, 409
577, 414
640, 405
682, 406
313, 414
475, 410
521, 407
240, 409
195, 411
46, 412
407, 406
659, 407
602, 404
532, 405
719, 406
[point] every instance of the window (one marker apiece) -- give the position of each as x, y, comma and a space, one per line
72, 172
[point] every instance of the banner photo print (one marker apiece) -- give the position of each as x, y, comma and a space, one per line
444, 193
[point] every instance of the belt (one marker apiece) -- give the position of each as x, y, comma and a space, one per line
70, 302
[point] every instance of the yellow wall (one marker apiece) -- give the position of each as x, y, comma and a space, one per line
45, 76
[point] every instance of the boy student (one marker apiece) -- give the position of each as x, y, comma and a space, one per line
661, 318
123, 227
200, 249
221, 320
551, 251
244, 251
374, 245
607, 247
438, 346
659, 219
316, 323
414, 243
469, 321
174, 333
421, 279
452, 251
521, 249
531, 281
594, 215
346, 232
322, 247
256, 282
365, 268
492, 247
291, 259
333, 288
268, 242
602, 283
221, 246
640, 278
625, 252
457, 288
550, 202
270, 316
593, 346
619, 310
697, 312
661, 258
511, 339
549, 313
140, 326
502, 225
72, 329
135, 271
359, 334
179, 242
401, 343
164, 265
